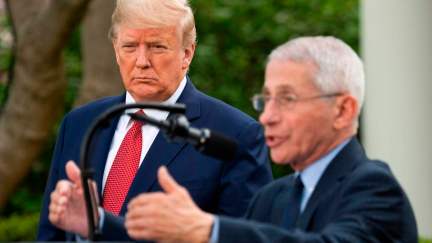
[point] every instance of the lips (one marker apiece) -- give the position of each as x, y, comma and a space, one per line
274, 141
144, 79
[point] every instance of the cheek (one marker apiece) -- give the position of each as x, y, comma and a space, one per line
312, 133
299, 133
126, 65
168, 69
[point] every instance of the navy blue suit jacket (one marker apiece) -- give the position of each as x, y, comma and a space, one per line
355, 200
217, 187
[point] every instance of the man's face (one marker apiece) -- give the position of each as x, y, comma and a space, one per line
152, 61
300, 132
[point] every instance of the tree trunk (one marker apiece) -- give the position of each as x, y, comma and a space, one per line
37, 92
101, 75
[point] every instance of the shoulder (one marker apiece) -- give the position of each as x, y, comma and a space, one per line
218, 107
352, 166
97, 106
94, 108
372, 179
372, 170
224, 117
78, 120
372, 193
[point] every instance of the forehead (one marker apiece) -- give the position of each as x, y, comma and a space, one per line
125, 33
289, 76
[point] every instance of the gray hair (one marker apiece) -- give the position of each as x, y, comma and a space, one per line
155, 14
339, 68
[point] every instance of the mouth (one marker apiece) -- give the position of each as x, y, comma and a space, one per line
144, 79
273, 141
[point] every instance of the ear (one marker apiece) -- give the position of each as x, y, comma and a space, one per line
346, 111
188, 55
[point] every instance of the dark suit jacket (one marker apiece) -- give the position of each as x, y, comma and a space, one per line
216, 187
356, 200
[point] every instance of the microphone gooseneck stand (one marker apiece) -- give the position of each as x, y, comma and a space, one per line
87, 173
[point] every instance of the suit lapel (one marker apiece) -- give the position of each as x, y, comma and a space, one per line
163, 152
340, 166
99, 150
282, 201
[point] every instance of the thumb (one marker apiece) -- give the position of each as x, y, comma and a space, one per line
73, 172
166, 181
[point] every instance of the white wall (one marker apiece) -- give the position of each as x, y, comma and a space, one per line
397, 117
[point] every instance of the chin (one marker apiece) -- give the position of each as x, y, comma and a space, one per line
279, 158
149, 95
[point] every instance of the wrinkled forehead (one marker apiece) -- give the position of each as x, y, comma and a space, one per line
126, 28
165, 34
289, 76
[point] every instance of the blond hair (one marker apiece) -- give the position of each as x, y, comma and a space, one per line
155, 14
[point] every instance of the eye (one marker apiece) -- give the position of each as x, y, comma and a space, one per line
287, 98
158, 47
266, 98
128, 47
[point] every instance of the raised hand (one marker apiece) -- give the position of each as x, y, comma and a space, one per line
67, 208
167, 216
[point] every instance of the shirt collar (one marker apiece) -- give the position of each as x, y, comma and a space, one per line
311, 175
157, 114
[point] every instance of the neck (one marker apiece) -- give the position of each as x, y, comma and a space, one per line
318, 152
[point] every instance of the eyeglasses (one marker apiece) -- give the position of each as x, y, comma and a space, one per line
286, 101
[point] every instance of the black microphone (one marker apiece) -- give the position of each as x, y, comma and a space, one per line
177, 128
87, 173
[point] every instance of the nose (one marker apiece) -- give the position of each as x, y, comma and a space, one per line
270, 114
143, 60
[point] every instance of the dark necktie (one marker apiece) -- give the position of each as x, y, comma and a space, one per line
123, 169
292, 210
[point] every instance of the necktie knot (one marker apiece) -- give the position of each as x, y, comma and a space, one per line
139, 112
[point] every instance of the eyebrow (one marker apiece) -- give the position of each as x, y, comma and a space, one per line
127, 41
152, 42
280, 89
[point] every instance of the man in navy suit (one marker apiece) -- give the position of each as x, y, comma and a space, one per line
154, 42
310, 103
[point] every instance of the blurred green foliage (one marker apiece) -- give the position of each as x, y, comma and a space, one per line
234, 38
18, 227
5, 55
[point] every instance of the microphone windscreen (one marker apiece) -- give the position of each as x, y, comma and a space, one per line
220, 147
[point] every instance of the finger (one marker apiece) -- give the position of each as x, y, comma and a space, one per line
166, 181
52, 208
146, 198
135, 219
140, 212
138, 228
138, 233
53, 217
57, 208
73, 173
63, 188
